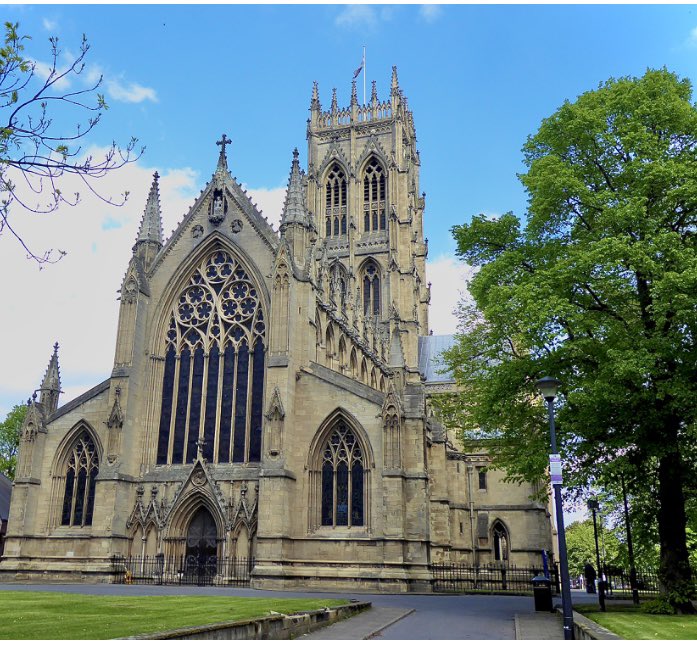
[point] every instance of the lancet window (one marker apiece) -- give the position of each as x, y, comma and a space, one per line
342, 480
374, 202
339, 283
213, 382
335, 202
500, 536
371, 289
80, 481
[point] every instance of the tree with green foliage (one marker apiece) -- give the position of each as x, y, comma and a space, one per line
597, 288
9, 439
580, 546
37, 146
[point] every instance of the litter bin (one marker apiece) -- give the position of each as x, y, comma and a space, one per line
542, 591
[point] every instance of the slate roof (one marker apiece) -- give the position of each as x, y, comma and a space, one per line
430, 363
5, 493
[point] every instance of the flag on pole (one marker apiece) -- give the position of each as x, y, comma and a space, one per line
360, 69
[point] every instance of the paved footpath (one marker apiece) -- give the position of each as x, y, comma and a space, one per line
393, 616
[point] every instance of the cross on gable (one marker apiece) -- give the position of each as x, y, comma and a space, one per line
222, 143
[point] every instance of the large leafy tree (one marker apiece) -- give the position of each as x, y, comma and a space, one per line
598, 288
42, 124
9, 439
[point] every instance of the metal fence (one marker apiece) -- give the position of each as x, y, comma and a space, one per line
158, 570
462, 577
618, 583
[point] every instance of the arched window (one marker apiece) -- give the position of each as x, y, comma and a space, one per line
213, 384
80, 480
371, 289
500, 536
342, 482
374, 202
335, 203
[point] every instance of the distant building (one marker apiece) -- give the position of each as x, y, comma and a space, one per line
270, 392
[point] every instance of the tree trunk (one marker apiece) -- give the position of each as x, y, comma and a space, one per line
675, 572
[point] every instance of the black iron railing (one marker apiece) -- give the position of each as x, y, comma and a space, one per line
161, 570
462, 577
618, 583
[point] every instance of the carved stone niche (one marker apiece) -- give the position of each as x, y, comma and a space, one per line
217, 207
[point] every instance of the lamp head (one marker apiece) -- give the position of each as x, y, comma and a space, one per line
548, 386
593, 504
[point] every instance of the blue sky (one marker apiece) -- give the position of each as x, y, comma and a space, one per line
479, 80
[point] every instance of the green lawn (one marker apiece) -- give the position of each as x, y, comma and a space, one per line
630, 623
53, 615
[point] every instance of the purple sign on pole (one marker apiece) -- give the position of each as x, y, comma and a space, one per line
555, 468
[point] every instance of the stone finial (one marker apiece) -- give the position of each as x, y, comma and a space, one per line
335, 104
222, 157
354, 93
374, 94
294, 206
151, 224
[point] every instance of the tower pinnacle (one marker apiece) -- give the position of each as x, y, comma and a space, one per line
314, 102
151, 224
395, 81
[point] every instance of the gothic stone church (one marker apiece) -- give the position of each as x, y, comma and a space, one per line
270, 392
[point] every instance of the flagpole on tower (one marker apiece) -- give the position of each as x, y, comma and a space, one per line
364, 75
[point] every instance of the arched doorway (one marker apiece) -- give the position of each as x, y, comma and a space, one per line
201, 549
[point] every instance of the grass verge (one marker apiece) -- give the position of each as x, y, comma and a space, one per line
53, 615
629, 622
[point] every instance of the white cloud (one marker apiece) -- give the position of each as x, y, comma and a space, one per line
49, 25
270, 202
448, 277
430, 12
357, 15
74, 302
129, 93
692, 38
45, 71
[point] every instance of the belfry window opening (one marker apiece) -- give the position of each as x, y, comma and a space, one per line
374, 203
335, 203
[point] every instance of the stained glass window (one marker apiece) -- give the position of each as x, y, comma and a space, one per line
342, 479
208, 373
81, 474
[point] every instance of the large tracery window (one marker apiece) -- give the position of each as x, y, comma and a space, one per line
342, 479
335, 203
80, 481
213, 383
371, 289
374, 203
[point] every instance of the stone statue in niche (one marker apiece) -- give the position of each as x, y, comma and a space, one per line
217, 208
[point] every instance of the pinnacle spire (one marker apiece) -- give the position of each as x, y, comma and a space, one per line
374, 94
51, 383
354, 93
151, 224
395, 81
294, 207
335, 104
314, 102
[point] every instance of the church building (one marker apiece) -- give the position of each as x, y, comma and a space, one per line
270, 393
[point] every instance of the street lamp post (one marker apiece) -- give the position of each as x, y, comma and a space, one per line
548, 387
594, 506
